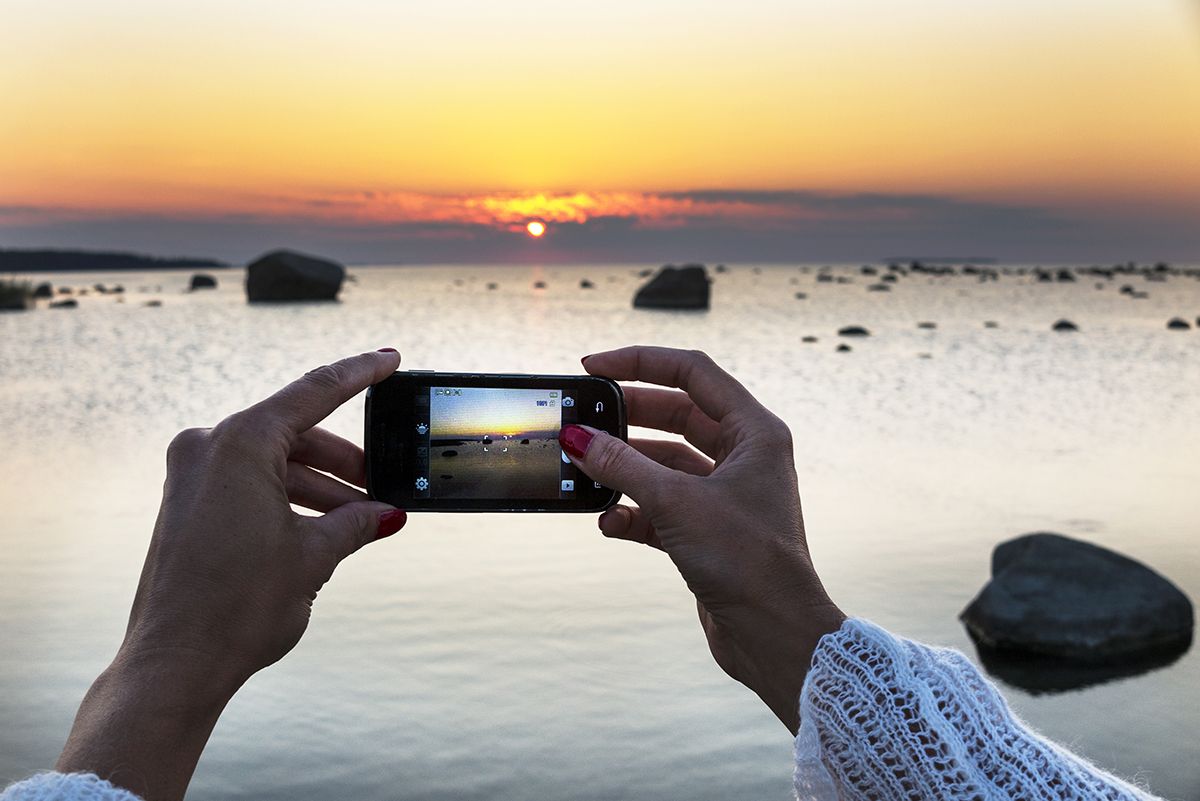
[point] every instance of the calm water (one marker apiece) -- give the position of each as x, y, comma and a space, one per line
510, 657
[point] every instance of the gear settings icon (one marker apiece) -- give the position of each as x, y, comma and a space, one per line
422, 483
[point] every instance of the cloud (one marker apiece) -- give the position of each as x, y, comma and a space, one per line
373, 226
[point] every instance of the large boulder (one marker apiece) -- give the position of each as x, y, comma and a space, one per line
1065, 598
683, 287
284, 275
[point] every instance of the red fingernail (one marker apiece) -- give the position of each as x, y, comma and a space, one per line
390, 523
387, 350
575, 440
585, 358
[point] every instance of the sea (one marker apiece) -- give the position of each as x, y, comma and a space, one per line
507, 657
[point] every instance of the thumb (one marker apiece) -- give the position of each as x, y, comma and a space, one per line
343, 530
614, 463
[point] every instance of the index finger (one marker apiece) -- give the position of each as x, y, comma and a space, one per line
714, 391
315, 395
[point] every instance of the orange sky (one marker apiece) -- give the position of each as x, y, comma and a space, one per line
470, 110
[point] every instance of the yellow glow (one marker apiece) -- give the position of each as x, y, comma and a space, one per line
166, 108
536, 228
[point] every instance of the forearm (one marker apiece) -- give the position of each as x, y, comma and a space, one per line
144, 723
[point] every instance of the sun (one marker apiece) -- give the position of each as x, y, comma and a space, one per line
536, 228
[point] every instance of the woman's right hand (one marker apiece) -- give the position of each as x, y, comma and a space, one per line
727, 513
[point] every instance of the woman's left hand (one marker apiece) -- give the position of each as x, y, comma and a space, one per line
230, 576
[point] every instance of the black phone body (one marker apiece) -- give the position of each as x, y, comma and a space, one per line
477, 442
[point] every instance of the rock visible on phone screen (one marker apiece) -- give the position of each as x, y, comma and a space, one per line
1178, 324
202, 281
927, 325
673, 287
449, 454
487, 440
43, 290
808, 339
285, 275
445, 477
1061, 597
1065, 325
843, 348
853, 331
69, 303
524, 442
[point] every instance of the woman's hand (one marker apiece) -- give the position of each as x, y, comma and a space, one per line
230, 576
727, 512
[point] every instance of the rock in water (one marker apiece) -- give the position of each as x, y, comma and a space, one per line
1065, 325
1178, 324
69, 303
1061, 597
853, 331
43, 290
683, 287
202, 281
586, 284
284, 275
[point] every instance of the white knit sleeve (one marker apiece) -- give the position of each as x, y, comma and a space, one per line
66, 787
883, 718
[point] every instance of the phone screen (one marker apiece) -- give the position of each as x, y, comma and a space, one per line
471, 442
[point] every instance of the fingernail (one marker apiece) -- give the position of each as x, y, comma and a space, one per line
390, 522
575, 440
387, 350
585, 358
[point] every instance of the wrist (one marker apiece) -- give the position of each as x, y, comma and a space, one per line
779, 652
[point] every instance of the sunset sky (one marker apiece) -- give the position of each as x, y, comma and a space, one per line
396, 131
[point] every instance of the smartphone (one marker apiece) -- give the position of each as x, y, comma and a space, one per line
472, 442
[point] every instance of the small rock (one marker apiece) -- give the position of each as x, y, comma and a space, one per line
926, 324
449, 454
586, 284
801, 295
924, 355
1066, 276
44, 290
843, 348
493, 285
853, 331
1064, 325
720, 268
1178, 324
808, 339
69, 303
539, 284
202, 281
990, 324
152, 304
879, 287
487, 440
524, 442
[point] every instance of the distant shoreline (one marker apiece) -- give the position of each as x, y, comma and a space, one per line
64, 261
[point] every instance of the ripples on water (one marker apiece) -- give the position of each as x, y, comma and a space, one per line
509, 657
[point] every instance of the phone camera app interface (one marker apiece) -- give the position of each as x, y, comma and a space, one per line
493, 443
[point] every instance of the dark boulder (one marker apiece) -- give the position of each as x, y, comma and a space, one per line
202, 281
1178, 324
284, 275
1062, 597
853, 331
683, 287
1065, 325
524, 442
43, 290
